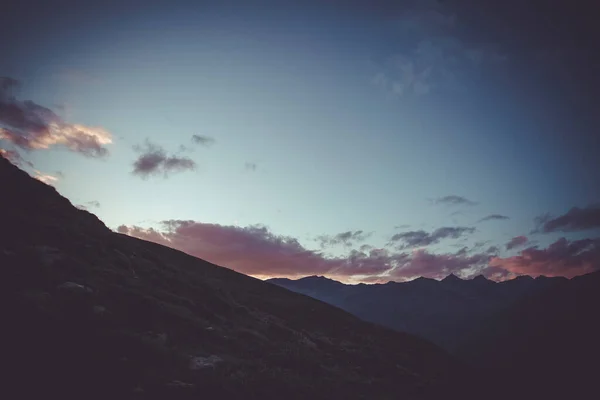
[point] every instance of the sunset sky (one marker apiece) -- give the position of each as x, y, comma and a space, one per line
361, 140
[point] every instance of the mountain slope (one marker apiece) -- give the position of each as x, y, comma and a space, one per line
90, 313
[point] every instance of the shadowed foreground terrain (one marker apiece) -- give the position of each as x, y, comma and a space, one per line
90, 313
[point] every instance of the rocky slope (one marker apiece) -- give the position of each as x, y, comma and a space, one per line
89, 313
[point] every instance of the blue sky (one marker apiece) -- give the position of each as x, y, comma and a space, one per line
322, 120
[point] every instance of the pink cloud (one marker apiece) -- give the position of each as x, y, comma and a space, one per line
46, 178
30, 126
254, 250
561, 258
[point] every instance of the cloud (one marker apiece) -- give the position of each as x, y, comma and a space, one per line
494, 217
455, 200
154, 160
89, 204
422, 238
205, 141
561, 258
517, 241
437, 266
576, 219
348, 238
46, 178
365, 247
431, 54
250, 166
14, 157
30, 126
492, 250
255, 250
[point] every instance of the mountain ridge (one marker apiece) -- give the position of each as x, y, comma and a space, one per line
443, 311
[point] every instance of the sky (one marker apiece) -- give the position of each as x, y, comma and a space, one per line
366, 141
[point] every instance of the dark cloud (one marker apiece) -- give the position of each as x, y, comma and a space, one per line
255, 250
576, 219
494, 217
205, 141
365, 247
517, 241
455, 200
30, 126
561, 258
250, 166
348, 238
422, 238
492, 250
154, 160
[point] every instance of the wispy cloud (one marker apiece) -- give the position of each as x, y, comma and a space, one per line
15, 157
402, 226
348, 238
250, 166
576, 219
432, 54
30, 126
421, 238
89, 204
46, 178
154, 160
455, 200
205, 141
517, 241
494, 217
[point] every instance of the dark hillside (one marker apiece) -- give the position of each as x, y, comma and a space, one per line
88, 313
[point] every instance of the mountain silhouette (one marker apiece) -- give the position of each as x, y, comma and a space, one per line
445, 312
90, 313
538, 337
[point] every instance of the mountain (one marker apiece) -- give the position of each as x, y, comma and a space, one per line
528, 338
547, 343
446, 312
90, 313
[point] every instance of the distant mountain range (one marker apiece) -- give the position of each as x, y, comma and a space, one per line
540, 337
89, 313
445, 312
